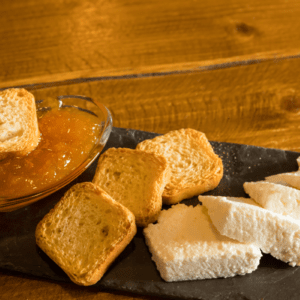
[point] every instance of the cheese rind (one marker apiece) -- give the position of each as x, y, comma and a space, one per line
186, 246
242, 219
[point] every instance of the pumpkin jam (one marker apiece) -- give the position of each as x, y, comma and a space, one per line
67, 137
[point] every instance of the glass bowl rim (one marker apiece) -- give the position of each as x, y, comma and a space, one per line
7, 203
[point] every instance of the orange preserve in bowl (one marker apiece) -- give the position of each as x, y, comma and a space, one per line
67, 137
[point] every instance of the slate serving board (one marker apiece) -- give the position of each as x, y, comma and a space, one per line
133, 270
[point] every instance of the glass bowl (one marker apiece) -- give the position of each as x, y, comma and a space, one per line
99, 139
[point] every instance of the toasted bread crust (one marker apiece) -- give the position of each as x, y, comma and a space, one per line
134, 178
88, 275
19, 123
195, 168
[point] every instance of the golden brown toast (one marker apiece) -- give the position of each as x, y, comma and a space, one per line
195, 168
85, 232
134, 178
19, 133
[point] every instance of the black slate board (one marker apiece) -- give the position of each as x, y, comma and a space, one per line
134, 271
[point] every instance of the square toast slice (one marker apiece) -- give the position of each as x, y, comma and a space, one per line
134, 178
19, 132
85, 232
195, 168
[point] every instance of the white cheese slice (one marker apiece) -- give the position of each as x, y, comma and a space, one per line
289, 179
186, 246
275, 197
244, 220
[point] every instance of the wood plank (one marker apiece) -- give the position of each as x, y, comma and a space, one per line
256, 104
46, 41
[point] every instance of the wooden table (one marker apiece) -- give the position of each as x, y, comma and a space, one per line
227, 68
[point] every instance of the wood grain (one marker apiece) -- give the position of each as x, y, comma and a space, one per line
227, 68
47, 41
255, 104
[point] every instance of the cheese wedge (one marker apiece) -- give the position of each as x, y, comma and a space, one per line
244, 220
275, 197
289, 179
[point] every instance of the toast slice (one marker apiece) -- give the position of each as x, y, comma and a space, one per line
195, 168
134, 178
19, 133
186, 246
275, 197
244, 220
85, 232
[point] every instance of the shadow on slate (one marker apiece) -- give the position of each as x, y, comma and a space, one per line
134, 271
